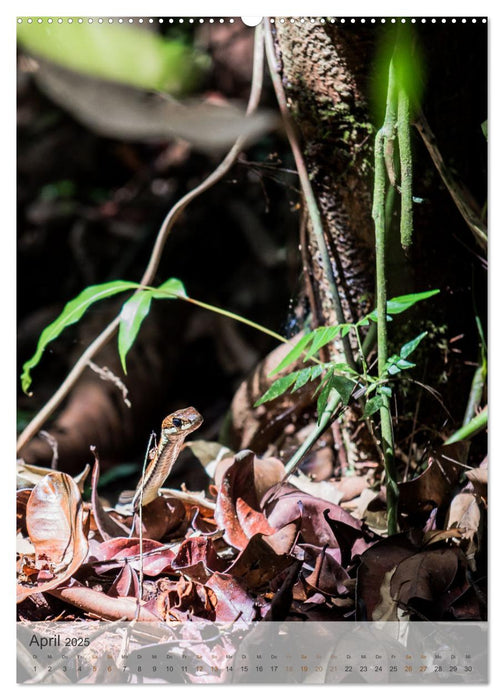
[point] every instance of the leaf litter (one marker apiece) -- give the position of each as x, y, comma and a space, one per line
254, 546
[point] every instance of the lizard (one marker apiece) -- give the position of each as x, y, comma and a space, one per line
174, 430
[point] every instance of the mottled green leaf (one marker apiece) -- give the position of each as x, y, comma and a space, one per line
307, 375
132, 315
72, 313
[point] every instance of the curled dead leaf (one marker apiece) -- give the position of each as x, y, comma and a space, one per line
237, 511
55, 524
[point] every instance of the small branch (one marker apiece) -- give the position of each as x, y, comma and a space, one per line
255, 92
108, 376
463, 200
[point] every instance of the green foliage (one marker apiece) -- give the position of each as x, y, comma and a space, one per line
136, 309
132, 315
396, 363
298, 379
339, 377
72, 313
116, 52
399, 304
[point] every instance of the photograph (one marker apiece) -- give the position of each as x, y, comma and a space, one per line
252, 363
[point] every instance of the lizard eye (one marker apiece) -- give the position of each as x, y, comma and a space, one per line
177, 422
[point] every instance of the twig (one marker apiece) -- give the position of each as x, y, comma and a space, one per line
108, 376
311, 202
53, 443
255, 92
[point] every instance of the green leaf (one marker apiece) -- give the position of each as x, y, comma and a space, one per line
307, 375
324, 388
171, 289
484, 128
72, 313
399, 304
322, 336
293, 354
278, 388
469, 430
116, 52
374, 404
298, 379
132, 315
344, 387
396, 364
409, 347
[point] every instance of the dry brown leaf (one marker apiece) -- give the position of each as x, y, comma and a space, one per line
54, 520
465, 515
479, 480
380, 560
434, 487
426, 575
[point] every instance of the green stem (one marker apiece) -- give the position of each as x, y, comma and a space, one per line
325, 419
236, 317
470, 429
477, 386
379, 199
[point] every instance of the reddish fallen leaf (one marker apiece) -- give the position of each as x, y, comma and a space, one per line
22, 497
184, 600
198, 559
126, 550
126, 584
283, 598
237, 511
55, 524
107, 526
233, 600
102, 605
263, 558
327, 575
163, 516
285, 504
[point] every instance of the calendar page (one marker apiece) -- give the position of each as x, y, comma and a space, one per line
252, 344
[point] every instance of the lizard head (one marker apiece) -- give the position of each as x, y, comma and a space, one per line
181, 422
